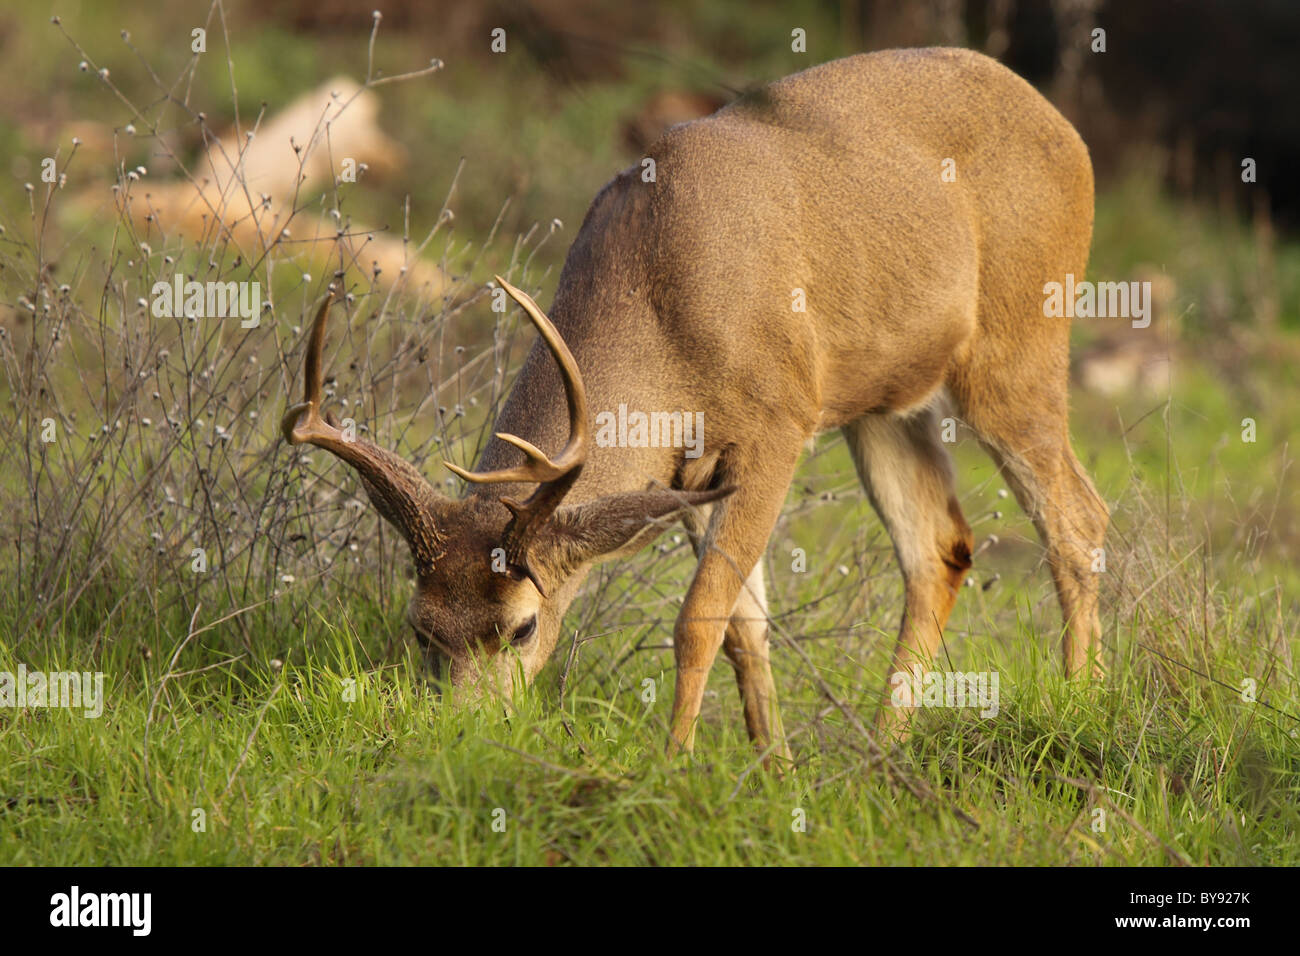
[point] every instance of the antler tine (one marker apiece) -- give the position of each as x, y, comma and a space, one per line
396, 488
575, 392
303, 422
539, 467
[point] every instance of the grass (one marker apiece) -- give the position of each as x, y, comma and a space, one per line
276, 765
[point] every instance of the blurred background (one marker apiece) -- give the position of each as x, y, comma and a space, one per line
1185, 90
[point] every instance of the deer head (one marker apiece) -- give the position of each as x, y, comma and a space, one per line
478, 618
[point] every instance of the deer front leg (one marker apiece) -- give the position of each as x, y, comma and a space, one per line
729, 554
747, 647
696, 639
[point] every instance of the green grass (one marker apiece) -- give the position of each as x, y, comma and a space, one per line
286, 770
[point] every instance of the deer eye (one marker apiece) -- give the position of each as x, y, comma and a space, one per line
524, 632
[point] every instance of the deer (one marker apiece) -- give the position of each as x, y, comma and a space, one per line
919, 200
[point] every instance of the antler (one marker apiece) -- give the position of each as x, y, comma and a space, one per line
396, 488
555, 476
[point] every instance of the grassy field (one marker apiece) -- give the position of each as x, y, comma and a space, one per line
336, 757
271, 709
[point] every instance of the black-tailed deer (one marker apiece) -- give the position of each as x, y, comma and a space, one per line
917, 202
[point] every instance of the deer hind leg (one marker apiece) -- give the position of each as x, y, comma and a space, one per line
1023, 426
726, 604
908, 478
1070, 517
746, 645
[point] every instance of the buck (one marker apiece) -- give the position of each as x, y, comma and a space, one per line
919, 201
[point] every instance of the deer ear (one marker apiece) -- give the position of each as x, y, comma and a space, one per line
586, 532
